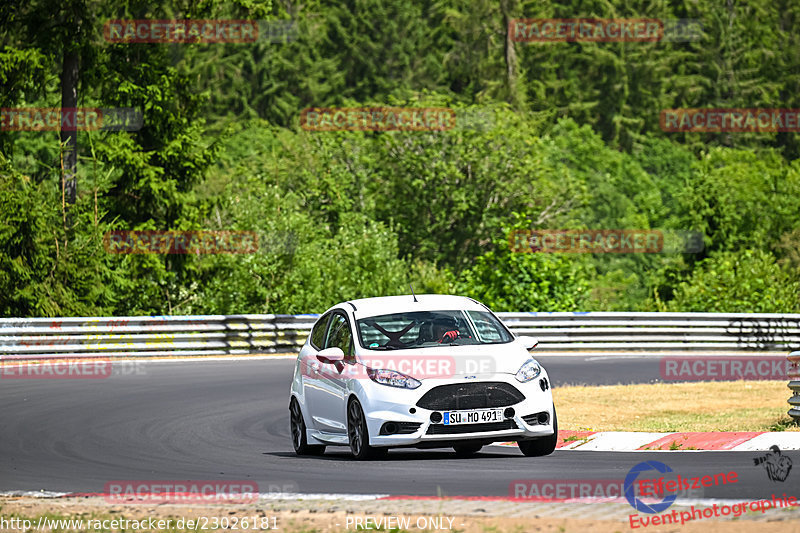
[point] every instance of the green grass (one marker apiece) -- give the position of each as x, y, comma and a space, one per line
672, 407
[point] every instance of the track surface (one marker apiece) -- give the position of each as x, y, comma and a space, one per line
228, 420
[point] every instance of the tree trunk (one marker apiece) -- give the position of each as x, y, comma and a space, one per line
69, 133
510, 56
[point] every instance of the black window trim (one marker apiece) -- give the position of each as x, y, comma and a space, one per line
349, 326
327, 318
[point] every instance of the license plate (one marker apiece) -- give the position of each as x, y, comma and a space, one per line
474, 416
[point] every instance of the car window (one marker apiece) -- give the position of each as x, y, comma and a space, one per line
318, 332
371, 336
339, 335
424, 329
489, 330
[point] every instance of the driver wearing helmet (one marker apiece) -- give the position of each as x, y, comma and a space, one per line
445, 329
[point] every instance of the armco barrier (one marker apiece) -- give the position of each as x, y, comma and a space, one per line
558, 333
595, 332
624, 333
28, 338
794, 384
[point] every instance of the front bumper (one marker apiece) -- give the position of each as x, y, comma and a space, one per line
390, 405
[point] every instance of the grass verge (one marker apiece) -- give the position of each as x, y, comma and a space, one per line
665, 407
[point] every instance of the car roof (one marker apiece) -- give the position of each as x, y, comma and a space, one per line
385, 305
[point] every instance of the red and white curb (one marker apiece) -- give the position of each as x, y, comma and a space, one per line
633, 441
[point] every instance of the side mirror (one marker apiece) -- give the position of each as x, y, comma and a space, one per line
528, 342
330, 355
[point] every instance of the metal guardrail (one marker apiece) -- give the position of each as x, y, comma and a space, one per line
794, 385
662, 332
597, 332
594, 332
29, 338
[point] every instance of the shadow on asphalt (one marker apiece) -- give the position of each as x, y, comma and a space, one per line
400, 455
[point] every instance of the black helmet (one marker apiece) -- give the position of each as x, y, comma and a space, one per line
446, 322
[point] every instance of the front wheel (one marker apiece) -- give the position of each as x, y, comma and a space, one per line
358, 435
298, 427
543, 445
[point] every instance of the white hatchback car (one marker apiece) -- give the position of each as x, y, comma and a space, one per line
425, 371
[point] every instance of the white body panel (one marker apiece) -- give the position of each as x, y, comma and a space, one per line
323, 390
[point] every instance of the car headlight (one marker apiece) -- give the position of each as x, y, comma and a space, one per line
392, 378
528, 371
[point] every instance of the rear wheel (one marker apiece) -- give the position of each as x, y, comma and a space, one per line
466, 450
298, 427
541, 446
358, 435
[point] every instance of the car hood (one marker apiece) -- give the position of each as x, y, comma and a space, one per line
444, 361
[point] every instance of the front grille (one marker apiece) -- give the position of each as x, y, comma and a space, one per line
470, 396
441, 429
533, 420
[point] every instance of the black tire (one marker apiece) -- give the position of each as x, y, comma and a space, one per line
358, 435
467, 450
543, 445
298, 432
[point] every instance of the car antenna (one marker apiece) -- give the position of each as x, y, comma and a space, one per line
412, 293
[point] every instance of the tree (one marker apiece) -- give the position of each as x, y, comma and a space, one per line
745, 281
510, 281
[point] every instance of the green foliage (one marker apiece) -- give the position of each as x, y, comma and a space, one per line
547, 136
509, 281
46, 270
743, 199
746, 281
449, 194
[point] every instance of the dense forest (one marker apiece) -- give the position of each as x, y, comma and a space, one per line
548, 135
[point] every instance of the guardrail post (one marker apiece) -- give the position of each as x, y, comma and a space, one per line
794, 385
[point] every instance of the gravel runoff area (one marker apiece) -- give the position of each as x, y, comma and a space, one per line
330, 513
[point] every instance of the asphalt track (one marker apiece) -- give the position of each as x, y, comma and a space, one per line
228, 420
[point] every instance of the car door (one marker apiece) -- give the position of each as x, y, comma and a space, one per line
328, 394
308, 367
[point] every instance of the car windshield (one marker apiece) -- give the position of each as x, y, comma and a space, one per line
425, 329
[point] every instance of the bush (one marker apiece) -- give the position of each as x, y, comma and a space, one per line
746, 281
